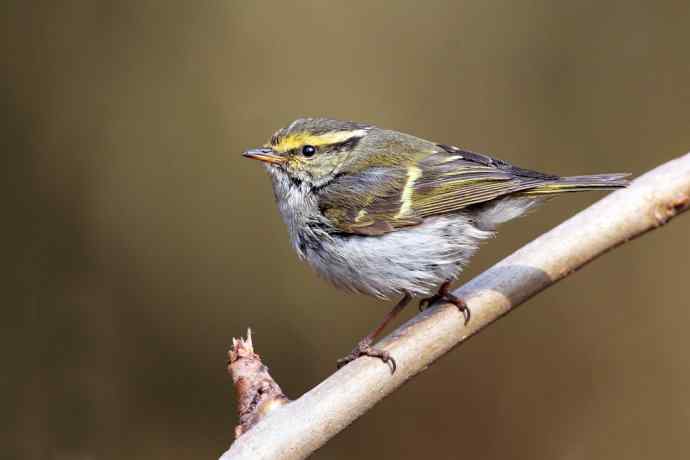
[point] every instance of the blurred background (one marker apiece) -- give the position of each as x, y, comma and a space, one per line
137, 241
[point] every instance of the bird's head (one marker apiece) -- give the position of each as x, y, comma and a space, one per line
315, 150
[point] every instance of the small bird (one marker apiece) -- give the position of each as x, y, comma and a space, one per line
384, 213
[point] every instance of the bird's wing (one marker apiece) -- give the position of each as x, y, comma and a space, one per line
383, 199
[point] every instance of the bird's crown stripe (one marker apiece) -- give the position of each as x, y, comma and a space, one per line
292, 141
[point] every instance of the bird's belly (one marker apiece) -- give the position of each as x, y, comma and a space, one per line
414, 259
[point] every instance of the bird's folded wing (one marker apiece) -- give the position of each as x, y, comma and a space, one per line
379, 200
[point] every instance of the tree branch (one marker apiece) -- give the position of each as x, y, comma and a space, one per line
256, 391
298, 428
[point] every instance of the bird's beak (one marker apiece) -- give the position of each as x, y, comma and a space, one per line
264, 154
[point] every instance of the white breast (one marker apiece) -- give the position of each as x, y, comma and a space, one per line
415, 259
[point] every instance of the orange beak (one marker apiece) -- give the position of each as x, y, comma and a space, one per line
264, 154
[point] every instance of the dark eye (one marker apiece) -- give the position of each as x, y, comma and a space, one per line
308, 150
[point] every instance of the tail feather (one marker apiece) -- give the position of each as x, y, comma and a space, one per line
581, 184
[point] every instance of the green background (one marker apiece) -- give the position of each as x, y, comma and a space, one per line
137, 241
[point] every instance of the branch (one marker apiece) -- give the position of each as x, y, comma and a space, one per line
257, 393
298, 428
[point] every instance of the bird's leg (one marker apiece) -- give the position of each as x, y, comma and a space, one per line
445, 295
364, 347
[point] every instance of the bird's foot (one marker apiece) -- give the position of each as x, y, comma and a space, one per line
445, 296
364, 348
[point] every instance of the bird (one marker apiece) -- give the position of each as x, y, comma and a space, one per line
388, 214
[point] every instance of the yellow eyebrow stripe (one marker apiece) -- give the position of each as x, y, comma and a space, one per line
293, 141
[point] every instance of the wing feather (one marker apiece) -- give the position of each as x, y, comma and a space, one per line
379, 200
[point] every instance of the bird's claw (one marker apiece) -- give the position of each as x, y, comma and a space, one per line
364, 348
464, 309
447, 297
428, 301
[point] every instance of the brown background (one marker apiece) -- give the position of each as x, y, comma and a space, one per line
138, 241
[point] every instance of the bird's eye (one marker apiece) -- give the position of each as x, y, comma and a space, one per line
308, 150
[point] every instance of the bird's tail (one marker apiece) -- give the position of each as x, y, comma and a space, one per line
580, 184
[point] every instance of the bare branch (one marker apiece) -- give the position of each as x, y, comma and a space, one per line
298, 428
257, 393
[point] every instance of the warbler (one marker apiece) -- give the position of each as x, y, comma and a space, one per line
384, 213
